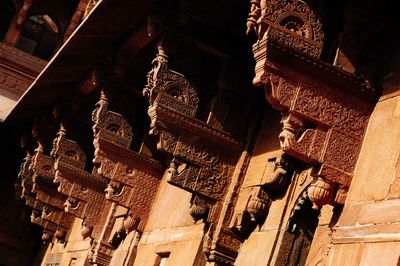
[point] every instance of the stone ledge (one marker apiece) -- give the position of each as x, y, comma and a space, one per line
184, 233
370, 213
368, 233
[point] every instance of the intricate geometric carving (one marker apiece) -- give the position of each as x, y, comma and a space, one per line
197, 167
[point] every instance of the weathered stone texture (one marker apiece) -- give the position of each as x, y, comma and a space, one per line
374, 174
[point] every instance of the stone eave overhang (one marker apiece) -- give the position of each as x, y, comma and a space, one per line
314, 68
85, 178
133, 159
97, 33
185, 125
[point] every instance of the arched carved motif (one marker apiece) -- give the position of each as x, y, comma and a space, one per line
299, 233
291, 23
110, 125
169, 88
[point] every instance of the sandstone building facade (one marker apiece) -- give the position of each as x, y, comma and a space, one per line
212, 133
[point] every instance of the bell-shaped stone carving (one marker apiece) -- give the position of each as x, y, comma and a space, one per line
130, 224
257, 206
321, 192
60, 234
46, 236
86, 231
198, 212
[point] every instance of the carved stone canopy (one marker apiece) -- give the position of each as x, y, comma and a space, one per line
170, 88
197, 166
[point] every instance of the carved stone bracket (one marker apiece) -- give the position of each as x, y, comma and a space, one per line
197, 165
254, 200
46, 212
45, 191
256, 207
325, 111
84, 190
133, 179
203, 158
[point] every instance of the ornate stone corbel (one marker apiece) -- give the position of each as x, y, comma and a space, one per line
203, 158
84, 190
45, 191
132, 178
254, 200
325, 111
36, 174
256, 206
51, 224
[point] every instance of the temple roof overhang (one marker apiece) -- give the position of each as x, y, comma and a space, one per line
97, 33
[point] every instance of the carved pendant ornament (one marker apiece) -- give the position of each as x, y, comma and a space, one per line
325, 111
